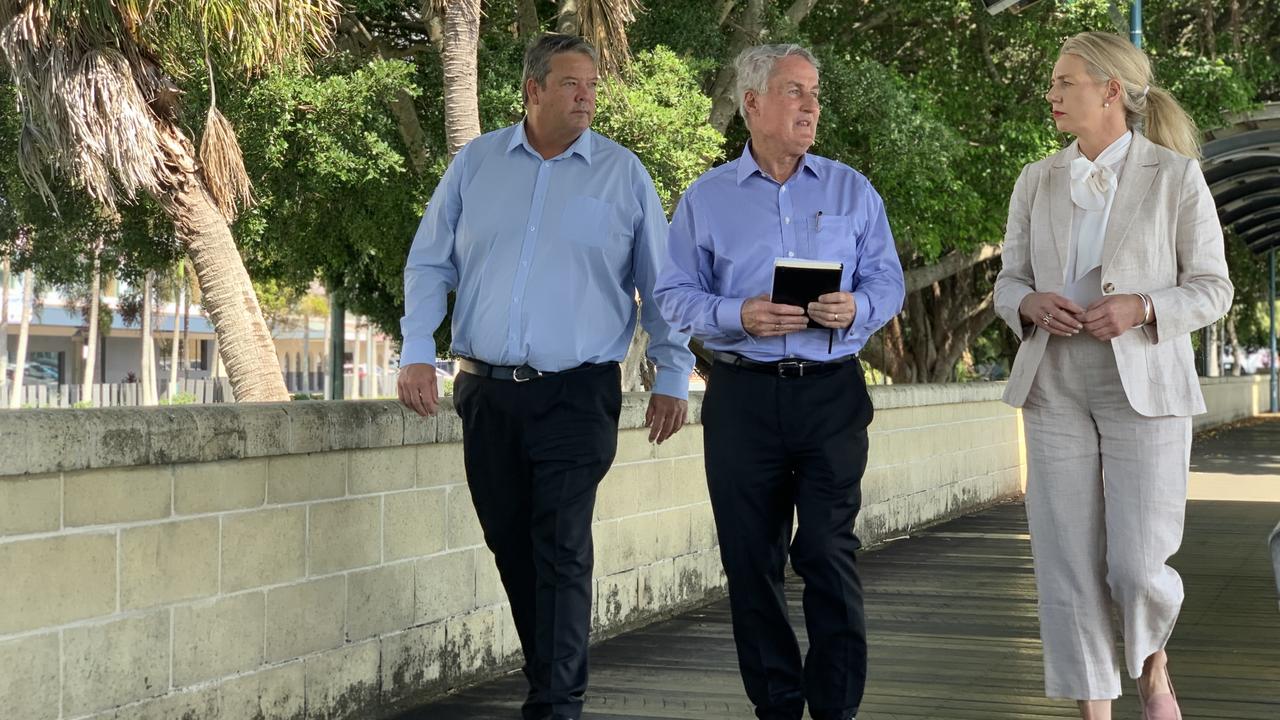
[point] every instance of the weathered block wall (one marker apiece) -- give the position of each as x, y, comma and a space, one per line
322, 560
1233, 398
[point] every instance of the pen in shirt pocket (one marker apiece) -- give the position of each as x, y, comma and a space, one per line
817, 222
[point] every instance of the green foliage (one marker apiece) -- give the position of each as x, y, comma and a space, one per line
182, 398
336, 198
658, 112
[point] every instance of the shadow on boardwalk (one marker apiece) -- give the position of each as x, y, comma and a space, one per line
952, 619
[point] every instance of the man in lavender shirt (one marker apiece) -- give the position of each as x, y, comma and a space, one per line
786, 413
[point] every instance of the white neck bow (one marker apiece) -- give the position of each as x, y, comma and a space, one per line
1092, 183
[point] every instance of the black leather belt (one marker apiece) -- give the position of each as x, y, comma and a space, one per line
513, 373
783, 368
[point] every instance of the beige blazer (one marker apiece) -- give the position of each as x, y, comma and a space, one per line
1163, 238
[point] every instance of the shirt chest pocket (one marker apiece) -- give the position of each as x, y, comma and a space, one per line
832, 237
588, 221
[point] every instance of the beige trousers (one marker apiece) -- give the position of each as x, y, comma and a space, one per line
1106, 497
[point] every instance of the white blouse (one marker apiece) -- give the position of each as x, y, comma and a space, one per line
1093, 190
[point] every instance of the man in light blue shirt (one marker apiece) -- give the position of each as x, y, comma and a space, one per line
786, 410
546, 231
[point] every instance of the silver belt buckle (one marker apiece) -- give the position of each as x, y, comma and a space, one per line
515, 374
797, 364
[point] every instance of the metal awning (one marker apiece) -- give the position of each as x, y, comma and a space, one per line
1242, 167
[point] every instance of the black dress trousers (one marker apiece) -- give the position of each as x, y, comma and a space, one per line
777, 446
534, 453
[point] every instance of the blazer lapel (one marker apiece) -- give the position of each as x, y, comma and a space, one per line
1060, 203
1139, 173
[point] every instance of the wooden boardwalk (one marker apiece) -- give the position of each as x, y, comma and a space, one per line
952, 619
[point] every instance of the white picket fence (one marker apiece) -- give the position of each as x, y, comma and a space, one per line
125, 394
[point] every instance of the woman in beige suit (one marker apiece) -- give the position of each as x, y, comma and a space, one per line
1112, 257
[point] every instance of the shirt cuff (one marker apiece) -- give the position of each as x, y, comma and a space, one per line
418, 350
729, 316
861, 313
671, 383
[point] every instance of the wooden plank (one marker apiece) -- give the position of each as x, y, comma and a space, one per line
953, 630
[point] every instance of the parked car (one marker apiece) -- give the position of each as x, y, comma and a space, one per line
36, 373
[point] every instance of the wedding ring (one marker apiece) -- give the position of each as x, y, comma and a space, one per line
777, 326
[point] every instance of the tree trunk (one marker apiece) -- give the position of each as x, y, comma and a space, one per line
637, 371
461, 107
148, 370
799, 10
355, 362
324, 355
91, 341
186, 323
747, 32
24, 331
4, 329
306, 353
1237, 352
228, 296
528, 23
371, 352
177, 334
567, 21
225, 289
936, 326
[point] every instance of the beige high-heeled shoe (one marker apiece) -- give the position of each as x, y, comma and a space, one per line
1163, 706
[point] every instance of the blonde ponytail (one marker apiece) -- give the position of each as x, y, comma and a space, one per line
1148, 109
1166, 123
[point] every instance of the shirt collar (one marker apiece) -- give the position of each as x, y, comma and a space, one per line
580, 147
747, 165
1115, 153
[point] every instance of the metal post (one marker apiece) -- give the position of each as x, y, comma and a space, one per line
1135, 24
334, 389
1271, 299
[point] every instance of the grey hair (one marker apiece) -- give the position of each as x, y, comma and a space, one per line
755, 64
537, 57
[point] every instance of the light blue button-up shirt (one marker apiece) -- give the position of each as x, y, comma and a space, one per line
735, 220
546, 257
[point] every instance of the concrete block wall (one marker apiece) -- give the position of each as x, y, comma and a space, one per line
322, 560
1233, 398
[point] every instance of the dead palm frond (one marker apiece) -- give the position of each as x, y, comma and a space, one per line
95, 94
604, 24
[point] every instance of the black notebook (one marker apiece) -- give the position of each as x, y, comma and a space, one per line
800, 282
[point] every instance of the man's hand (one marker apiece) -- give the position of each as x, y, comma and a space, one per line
664, 417
762, 318
1113, 316
1052, 312
417, 388
834, 310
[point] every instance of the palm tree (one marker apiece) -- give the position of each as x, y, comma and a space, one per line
91, 341
4, 326
99, 105
147, 376
24, 331
458, 55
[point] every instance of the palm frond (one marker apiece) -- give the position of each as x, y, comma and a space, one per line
254, 35
604, 24
83, 113
223, 166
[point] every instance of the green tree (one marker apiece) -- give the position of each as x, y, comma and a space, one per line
101, 107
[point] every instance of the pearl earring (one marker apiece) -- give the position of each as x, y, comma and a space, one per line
1106, 105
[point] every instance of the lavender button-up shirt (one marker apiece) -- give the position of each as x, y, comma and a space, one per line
735, 220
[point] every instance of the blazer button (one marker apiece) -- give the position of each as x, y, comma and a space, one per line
1108, 288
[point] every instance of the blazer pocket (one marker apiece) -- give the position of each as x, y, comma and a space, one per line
1168, 364
587, 221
